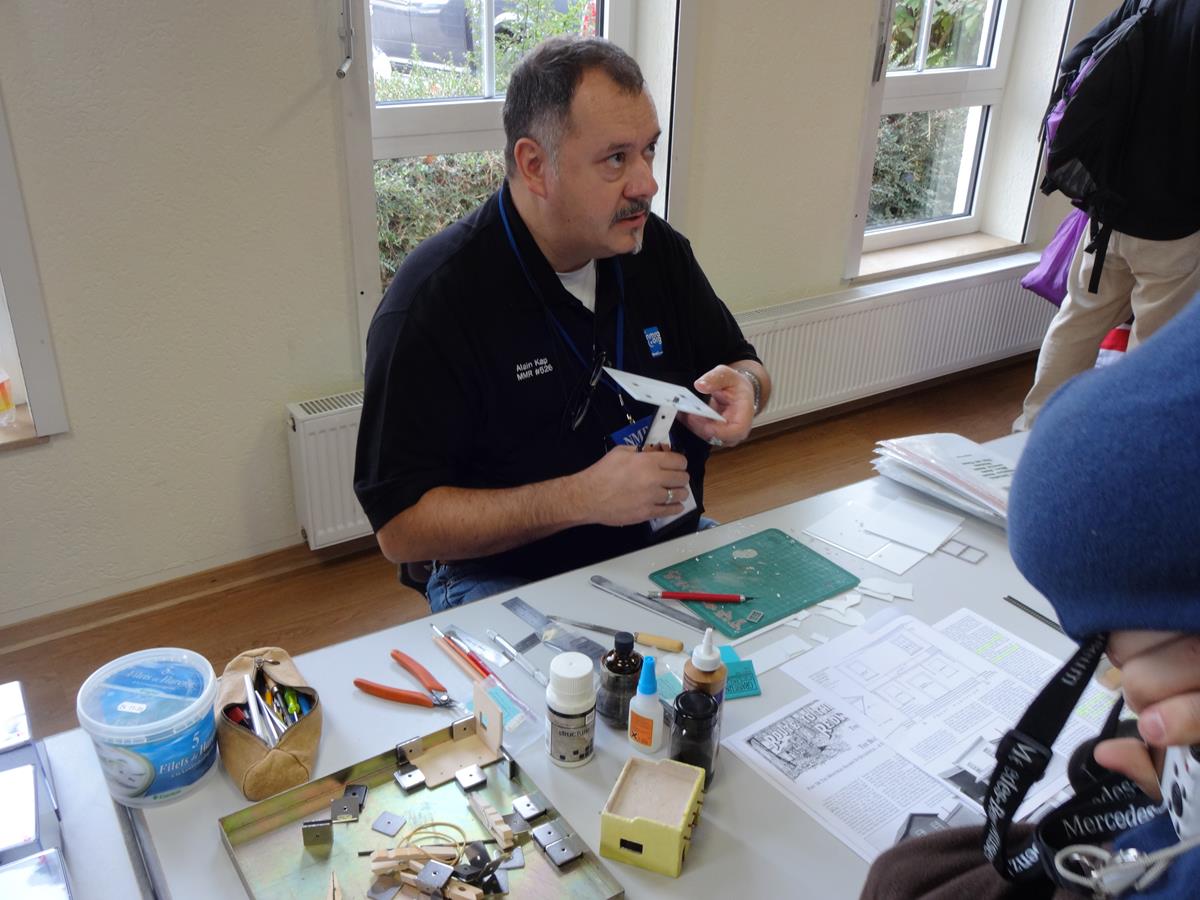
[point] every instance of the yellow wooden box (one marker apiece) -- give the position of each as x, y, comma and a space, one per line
649, 817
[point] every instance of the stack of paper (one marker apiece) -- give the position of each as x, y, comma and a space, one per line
950, 468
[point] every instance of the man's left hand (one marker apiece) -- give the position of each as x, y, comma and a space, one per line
730, 394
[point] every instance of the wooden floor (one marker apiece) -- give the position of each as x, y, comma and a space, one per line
302, 602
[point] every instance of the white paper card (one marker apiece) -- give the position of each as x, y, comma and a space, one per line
778, 653
844, 529
884, 589
662, 393
896, 558
914, 524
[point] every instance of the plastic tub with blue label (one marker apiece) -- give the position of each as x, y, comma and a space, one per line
150, 717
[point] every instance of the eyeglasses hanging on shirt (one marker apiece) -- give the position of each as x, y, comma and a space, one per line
581, 398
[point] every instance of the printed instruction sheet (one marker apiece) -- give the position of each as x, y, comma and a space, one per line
898, 733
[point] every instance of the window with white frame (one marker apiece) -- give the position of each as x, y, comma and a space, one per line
943, 72
433, 94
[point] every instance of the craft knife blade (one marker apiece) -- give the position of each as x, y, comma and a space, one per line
681, 615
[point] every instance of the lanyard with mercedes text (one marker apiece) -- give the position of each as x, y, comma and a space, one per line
1109, 806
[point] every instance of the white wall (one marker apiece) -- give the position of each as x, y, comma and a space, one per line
183, 179
182, 171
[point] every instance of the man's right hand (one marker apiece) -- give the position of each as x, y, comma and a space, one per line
627, 487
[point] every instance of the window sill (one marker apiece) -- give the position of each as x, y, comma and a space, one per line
929, 255
21, 433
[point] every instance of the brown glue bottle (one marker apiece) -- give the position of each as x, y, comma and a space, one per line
619, 672
705, 672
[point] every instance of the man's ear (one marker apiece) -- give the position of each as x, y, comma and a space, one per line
533, 165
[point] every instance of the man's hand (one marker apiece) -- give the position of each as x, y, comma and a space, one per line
1160, 674
730, 394
627, 487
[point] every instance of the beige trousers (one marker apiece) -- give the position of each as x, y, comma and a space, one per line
1152, 279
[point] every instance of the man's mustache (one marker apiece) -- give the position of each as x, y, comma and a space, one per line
634, 209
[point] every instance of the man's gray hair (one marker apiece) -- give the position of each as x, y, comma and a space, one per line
538, 102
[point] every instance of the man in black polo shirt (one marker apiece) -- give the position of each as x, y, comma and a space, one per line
490, 440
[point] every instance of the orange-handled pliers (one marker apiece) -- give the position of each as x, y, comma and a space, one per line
437, 695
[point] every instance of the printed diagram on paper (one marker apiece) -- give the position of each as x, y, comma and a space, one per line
826, 761
944, 695
810, 736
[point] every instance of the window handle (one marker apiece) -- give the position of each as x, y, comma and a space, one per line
346, 33
881, 44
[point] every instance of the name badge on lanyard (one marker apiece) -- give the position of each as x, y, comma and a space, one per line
634, 434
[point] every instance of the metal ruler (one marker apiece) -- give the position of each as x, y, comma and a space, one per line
551, 633
680, 614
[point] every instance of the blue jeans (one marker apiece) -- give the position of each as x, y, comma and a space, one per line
453, 584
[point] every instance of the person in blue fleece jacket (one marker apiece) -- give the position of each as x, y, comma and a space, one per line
1104, 520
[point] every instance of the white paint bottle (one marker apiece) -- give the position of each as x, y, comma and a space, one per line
571, 710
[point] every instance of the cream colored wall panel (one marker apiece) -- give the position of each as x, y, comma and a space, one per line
773, 158
182, 171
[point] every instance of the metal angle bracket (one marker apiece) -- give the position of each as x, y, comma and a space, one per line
529, 806
433, 876
470, 778
317, 833
410, 778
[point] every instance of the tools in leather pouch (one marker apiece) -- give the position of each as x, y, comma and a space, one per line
268, 723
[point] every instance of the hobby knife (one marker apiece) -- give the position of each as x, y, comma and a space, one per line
642, 637
679, 614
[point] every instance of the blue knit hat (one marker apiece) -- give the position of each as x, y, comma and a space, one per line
1104, 513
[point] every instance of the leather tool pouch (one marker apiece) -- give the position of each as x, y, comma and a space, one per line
257, 769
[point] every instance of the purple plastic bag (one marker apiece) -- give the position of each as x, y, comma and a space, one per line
1056, 114
1049, 277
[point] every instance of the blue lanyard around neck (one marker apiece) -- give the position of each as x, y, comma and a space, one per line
512, 242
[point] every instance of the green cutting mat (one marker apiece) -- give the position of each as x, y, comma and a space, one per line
781, 574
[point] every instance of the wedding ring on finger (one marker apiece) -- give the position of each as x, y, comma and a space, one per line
670, 497
716, 442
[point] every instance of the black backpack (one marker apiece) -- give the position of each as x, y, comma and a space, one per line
1090, 115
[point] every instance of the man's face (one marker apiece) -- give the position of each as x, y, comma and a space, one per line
599, 192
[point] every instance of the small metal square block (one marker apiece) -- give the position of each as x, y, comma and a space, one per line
564, 851
549, 833
357, 793
471, 778
343, 810
410, 779
317, 833
529, 806
389, 824
433, 876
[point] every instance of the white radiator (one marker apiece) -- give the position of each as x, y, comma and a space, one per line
875, 338
820, 352
321, 438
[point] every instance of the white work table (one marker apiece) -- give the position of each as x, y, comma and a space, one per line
751, 839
